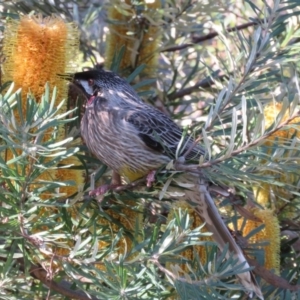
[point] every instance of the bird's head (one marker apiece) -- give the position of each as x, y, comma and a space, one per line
105, 84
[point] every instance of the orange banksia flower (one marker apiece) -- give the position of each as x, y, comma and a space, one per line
37, 50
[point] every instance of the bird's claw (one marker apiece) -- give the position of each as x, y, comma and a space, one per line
150, 178
102, 189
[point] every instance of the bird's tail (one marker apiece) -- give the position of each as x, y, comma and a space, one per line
200, 199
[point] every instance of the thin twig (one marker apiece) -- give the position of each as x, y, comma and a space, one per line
64, 288
211, 35
270, 277
207, 164
203, 84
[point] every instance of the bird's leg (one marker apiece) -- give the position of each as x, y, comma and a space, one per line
150, 178
116, 179
116, 183
102, 189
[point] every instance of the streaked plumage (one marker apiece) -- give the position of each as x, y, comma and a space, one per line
134, 138
138, 138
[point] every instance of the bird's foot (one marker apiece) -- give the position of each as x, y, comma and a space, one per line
102, 189
150, 178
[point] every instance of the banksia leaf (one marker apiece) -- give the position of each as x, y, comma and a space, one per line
65, 174
191, 252
128, 217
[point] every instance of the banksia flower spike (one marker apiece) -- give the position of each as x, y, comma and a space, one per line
264, 191
136, 28
36, 51
280, 137
280, 195
270, 234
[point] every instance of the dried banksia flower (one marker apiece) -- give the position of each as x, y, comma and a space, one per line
137, 28
270, 233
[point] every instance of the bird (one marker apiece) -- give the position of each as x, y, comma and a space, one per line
134, 138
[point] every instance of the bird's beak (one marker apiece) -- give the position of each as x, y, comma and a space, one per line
84, 86
81, 84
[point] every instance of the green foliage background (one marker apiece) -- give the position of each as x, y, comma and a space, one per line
212, 80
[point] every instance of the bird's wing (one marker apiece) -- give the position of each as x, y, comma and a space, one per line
158, 131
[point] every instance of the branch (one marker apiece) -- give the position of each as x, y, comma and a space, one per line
211, 35
204, 84
206, 281
64, 287
197, 169
270, 277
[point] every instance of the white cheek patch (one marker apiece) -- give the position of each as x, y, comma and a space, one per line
87, 87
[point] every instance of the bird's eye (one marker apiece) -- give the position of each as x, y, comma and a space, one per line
90, 82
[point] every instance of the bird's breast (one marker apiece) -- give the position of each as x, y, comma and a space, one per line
117, 144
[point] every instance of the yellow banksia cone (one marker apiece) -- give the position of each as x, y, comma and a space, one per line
128, 218
137, 28
271, 112
270, 233
36, 51
191, 252
264, 191
273, 196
